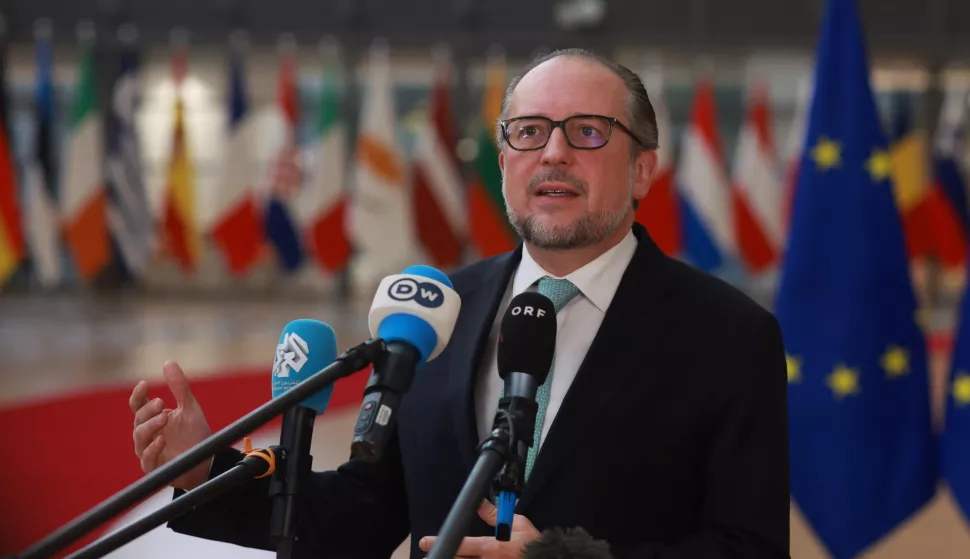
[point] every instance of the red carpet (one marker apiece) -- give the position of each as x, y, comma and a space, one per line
65, 455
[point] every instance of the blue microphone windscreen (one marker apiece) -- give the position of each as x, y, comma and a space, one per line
411, 328
305, 347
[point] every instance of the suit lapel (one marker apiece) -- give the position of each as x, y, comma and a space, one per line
479, 306
632, 321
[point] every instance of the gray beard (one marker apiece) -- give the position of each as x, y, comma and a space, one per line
588, 230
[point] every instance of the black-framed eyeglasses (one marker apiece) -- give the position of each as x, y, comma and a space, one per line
528, 133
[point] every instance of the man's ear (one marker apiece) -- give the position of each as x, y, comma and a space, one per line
644, 170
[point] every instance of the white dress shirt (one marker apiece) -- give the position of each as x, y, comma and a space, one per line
578, 323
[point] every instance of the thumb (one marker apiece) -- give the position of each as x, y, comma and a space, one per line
178, 384
488, 512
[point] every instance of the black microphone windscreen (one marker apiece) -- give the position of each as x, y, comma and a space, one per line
527, 336
573, 543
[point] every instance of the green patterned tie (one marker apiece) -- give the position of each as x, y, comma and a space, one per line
560, 292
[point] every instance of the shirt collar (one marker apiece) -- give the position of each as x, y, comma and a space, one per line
597, 280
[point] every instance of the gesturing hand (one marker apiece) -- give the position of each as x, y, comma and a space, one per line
161, 434
488, 547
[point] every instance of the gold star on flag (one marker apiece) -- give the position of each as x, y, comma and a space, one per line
826, 153
794, 368
844, 381
879, 165
895, 361
961, 389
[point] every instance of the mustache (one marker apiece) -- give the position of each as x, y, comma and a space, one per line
556, 175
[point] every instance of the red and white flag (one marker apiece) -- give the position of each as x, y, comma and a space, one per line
439, 190
758, 188
237, 229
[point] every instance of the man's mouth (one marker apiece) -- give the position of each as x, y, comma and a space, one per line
555, 190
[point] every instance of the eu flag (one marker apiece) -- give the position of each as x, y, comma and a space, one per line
862, 447
956, 434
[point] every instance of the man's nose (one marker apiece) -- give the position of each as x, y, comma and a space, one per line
557, 150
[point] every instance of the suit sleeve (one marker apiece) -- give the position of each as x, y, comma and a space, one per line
745, 510
359, 511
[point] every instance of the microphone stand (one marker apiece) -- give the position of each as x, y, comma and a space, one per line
348, 363
498, 456
256, 464
286, 482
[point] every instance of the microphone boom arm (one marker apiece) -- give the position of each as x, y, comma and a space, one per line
348, 363
250, 467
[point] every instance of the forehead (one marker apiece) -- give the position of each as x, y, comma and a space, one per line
569, 85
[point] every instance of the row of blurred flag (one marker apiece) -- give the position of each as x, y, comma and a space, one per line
714, 218
866, 453
368, 209
95, 206
304, 214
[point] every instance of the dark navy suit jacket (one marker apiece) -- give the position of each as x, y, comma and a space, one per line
672, 441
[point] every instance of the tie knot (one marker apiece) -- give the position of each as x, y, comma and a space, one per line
559, 291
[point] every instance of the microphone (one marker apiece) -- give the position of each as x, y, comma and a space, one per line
527, 342
526, 347
414, 312
574, 543
305, 347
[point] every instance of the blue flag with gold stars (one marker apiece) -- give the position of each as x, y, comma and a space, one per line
956, 434
863, 454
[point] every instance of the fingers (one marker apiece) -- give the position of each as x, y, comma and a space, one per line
148, 411
139, 397
470, 547
145, 433
178, 384
149, 458
488, 512
477, 547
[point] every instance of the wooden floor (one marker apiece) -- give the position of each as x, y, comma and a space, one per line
64, 343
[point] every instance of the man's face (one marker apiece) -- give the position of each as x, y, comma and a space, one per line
559, 197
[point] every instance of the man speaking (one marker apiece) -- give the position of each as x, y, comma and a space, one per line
664, 432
